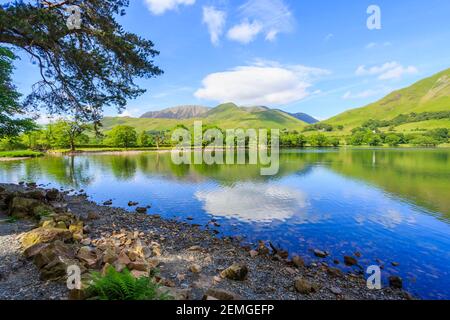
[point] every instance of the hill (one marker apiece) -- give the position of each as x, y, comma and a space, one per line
225, 116
180, 112
304, 117
428, 95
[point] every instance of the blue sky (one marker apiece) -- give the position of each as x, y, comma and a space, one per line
317, 57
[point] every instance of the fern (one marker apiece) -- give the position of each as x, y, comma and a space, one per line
124, 286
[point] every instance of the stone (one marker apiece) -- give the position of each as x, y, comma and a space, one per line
334, 272
336, 290
46, 254
53, 195
195, 268
298, 262
395, 282
34, 250
303, 286
222, 295
195, 248
254, 253
49, 224
139, 274
35, 194
291, 271
57, 269
237, 272
61, 225
350, 261
109, 256
141, 210
320, 253
133, 204
108, 203
21, 207
44, 235
89, 257
395, 264
92, 215
124, 259
139, 265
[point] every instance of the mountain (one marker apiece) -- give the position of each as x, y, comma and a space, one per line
304, 117
225, 116
180, 112
428, 95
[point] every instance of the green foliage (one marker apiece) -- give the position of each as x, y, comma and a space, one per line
320, 126
122, 286
122, 136
20, 154
392, 140
10, 108
66, 134
335, 142
424, 141
83, 70
319, 140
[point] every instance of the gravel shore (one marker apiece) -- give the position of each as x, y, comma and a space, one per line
190, 261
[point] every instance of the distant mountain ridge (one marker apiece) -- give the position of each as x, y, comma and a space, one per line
225, 116
431, 94
304, 117
179, 112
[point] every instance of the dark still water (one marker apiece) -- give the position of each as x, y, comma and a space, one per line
391, 205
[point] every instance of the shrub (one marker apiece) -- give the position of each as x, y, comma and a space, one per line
425, 141
124, 286
393, 140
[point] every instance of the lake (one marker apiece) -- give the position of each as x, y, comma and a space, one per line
389, 205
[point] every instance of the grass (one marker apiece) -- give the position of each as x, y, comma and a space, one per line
20, 154
108, 149
428, 95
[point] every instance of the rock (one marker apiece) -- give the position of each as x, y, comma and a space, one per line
22, 207
61, 225
44, 255
291, 271
139, 265
334, 272
32, 251
298, 262
57, 269
44, 235
395, 282
139, 274
195, 248
254, 253
395, 264
89, 257
303, 286
262, 248
237, 272
141, 210
132, 204
49, 224
109, 256
92, 215
35, 194
176, 294
350, 261
222, 295
123, 259
320, 253
336, 290
195, 268
53, 195
108, 203
358, 254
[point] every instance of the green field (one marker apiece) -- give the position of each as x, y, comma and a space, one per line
20, 154
429, 95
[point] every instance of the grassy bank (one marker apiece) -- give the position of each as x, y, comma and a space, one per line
20, 154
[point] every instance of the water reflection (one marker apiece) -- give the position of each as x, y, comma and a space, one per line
251, 202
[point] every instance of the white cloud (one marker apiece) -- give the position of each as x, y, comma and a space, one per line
375, 44
387, 71
329, 37
270, 17
262, 83
215, 20
159, 7
255, 203
245, 32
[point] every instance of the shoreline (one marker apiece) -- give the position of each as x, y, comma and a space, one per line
190, 259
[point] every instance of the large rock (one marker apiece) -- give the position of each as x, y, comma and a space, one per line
395, 282
298, 262
304, 286
89, 257
53, 195
45, 254
237, 272
350, 261
221, 295
57, 269
21, 207
44, 235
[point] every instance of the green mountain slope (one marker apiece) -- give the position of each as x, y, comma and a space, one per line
429, 95
225, 116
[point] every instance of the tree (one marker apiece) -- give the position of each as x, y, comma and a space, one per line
83, 68
144, 139
9, 100
123, 136
318, 140
335, 142
68, 133
392, 140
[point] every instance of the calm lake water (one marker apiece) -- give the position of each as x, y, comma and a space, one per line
391, 205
